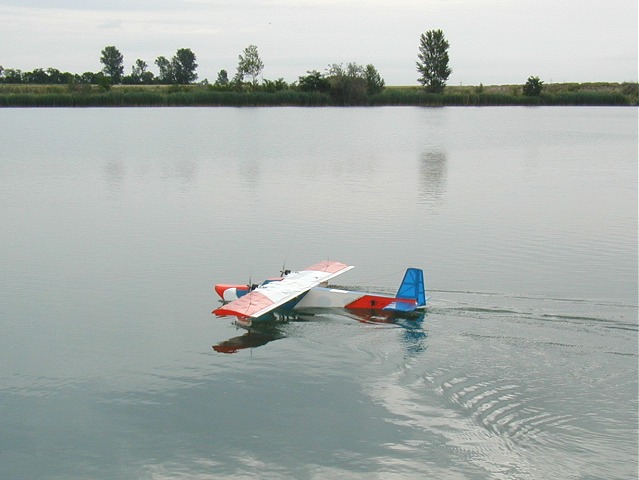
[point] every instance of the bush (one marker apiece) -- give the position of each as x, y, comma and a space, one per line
533, 87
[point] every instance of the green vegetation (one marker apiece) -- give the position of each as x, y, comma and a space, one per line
250, 64
183, 66
593, 94
279, 94
340, 85
140, 73
112, 60
152, 96
179, 70
353, 84
374, 82
533, 87
314, 82
222, 78
433, 61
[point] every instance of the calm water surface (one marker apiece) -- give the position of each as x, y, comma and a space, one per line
116, 224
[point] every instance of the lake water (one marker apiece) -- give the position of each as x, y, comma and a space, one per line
116, 224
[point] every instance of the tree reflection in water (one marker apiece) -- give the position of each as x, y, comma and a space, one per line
433, 170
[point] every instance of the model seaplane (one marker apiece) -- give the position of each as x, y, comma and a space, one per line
308, 289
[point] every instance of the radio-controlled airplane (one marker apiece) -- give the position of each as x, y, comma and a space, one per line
308, 289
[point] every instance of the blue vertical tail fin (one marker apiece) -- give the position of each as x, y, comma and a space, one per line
412, 286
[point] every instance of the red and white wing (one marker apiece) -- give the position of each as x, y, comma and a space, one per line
269, 296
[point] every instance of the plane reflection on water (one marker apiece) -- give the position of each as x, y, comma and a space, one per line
274, 328
256, 336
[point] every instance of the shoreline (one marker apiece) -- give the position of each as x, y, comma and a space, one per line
74, 95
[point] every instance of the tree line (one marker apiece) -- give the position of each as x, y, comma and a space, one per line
181, 70
348, 85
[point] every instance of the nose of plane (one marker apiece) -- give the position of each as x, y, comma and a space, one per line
230, 292
221, 288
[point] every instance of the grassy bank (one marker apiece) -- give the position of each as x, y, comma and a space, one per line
612, 94
11, 95
143, 98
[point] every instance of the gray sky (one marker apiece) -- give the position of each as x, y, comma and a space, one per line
491, 41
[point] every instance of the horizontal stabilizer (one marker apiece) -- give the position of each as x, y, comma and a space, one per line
400, 307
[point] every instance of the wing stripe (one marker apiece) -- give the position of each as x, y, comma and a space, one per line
246, 306
327, 266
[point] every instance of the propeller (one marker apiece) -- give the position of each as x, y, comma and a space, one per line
284, 271
251, 286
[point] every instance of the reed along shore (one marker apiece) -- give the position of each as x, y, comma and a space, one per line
586, 94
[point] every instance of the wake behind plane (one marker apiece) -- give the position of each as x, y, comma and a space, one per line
308, 289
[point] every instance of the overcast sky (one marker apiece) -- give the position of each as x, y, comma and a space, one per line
491, 41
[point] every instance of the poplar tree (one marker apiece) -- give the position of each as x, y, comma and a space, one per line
433, 61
